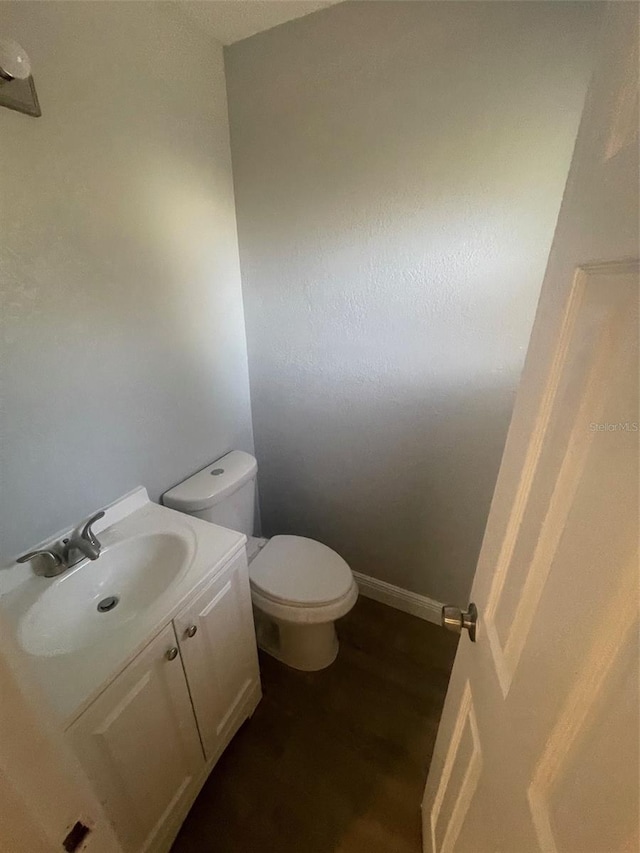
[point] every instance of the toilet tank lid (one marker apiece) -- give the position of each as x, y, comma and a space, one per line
214, 483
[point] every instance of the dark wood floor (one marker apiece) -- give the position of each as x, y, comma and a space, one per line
333, 761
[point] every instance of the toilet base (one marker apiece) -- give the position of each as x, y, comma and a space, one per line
307, 647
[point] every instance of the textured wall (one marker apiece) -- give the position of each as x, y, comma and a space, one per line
123, 348
398, 171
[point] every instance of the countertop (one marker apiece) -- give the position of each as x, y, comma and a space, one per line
72, 680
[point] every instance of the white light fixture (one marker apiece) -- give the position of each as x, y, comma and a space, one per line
17, 88
14, 61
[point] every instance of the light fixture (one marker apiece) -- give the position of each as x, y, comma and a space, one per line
14, 61
17, 89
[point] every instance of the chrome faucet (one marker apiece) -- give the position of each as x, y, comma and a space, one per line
85, 542
65, 554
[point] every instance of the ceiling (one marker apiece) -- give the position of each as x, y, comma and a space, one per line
232, 20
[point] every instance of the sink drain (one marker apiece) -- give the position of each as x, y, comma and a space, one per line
108, 604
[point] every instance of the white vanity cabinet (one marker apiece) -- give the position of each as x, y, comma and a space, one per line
148, 741
218, 647
138, 743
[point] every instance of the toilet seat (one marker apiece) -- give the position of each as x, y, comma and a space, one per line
298, 572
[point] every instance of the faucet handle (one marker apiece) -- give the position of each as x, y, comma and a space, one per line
52, 556
87, 532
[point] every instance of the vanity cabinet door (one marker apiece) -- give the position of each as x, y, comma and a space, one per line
218, 647
139, 745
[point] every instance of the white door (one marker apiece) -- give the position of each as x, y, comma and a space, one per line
538, 744
139, 745
218, 647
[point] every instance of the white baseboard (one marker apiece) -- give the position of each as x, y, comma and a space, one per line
401, 599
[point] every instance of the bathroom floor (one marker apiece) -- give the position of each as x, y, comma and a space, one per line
333, 761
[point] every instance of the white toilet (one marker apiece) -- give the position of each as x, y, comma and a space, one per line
299, 587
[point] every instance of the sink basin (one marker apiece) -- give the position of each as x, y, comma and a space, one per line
89, 603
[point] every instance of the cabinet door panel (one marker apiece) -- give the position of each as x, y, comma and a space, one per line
139, 745
220, 658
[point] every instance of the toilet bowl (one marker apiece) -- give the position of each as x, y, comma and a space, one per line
299, 586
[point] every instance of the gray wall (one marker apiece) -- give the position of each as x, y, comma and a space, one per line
398, 171
123, 344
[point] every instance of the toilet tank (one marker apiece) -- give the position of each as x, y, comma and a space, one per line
223, 492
